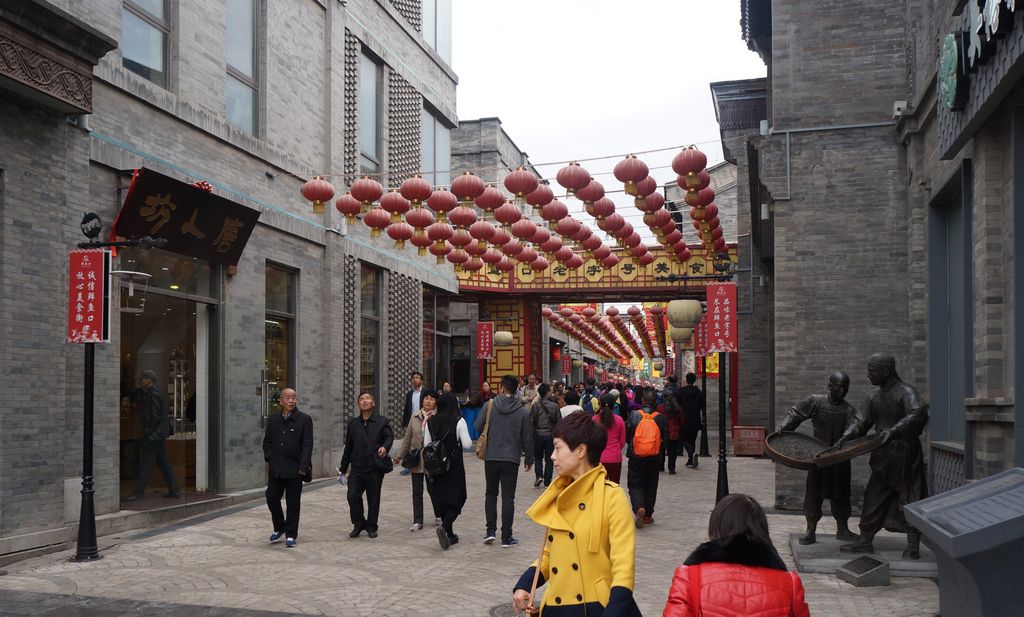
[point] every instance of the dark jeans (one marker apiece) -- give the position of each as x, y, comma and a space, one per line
675, 448
364, 482
153, 452
418, 479
503, 473
642, 480
544, 467
689, 443
292, 491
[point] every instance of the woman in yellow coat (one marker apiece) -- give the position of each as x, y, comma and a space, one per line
588, 559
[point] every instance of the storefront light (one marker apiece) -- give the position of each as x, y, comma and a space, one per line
174, 286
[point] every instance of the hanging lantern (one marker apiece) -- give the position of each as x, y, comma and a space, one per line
442, 201
507, 214
552, 244
400, 232
523, 229
610, 261
490, 199
573, 177
440, 249
527, 255
349, 206
629, 171
684, 313
568, 227
420, 219
521, 183
473, 264
672, 237
512, 248
500, 238
591, 244
439, 233
632, 240
645, 260
563, 254
503, 338
638, 250
318, 191
646, 186
376, 219
612, 223
420, 240
367, 190
694, 182
394, 204
458, 257
663, 217
689, 161
461, 238
540, 235
566, 311
601, 252
588, 312
611, 311
505, 265
575, 261
680, 335
416, 190
462, 216
554, 212
482, 231
491, 256
650, 204
593, 191
467, 187
540, 197
539, 264
603, 208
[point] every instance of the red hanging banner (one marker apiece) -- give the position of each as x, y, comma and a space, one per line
670, 365
485, 340
566, 364
721, 312
89, 296
698, 337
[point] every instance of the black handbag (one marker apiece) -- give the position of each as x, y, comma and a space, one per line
307, 475
412, 459
383, 463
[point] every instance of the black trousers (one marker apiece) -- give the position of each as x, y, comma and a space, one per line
544, 467
675, 448
418, 480
503, 474
689, 443
642, 481
291, 489
151, 452
368, 482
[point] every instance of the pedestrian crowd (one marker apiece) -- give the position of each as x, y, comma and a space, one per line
573, 439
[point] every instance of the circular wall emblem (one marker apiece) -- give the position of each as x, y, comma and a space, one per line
952, 78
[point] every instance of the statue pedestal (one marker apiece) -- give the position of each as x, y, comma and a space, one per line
824, 556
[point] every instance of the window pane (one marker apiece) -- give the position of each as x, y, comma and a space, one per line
241, 105
368, 291
428, 309
443, 153
369, 330
442, 313
142, 48
369, 79
444, 30
429, 17
442, 368
153, 7
240, 16
277, 359
427, 145
280, 290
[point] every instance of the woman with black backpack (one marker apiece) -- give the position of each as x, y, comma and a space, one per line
446, 434
545, 414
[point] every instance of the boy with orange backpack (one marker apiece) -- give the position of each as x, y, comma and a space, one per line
646, 431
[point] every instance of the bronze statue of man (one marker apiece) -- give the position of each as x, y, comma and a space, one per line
899, 413
830, 415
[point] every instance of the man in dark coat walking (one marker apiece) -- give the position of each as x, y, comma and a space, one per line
288, 447
156, 427
691, 399
368, 439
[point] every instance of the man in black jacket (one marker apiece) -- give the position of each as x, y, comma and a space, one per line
368, 439
156, 427
691, 399
288, 447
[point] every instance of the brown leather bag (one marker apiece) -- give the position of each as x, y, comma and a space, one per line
481, 441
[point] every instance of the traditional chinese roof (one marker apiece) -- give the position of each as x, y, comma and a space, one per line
756, 25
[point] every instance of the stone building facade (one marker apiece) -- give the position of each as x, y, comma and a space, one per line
254, 101
889, 218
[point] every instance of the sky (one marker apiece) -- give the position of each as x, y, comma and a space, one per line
576, 79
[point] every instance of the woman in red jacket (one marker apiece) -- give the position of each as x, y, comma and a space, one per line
738, 572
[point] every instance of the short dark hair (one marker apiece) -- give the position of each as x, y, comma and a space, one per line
415, 373
739, 515
673, 379
362, 392
510, 383
571, 398
691, 378
429, 393
650, 395
578, 428
542, 390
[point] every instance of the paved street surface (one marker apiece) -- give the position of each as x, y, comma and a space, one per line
222, 565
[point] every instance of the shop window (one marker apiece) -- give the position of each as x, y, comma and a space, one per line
437, 27
435, 149
369, 331
436, 338
145, 27
370, 83
279, 335
241, 88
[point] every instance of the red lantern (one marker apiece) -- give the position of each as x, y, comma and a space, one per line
442, 202
705, 196
651, 203
710, 212
376, 219
575, 261
695, 182
400, 232
490, 199
689, 161
440, 249
634, 311
523, 229
611, 311
567, 227
420, 240
512, 248
623, 232
505, 265
458, 257
638, 250
593, 191
566, 311
645, 260
395, 205
603, 208
540, 197
632, 239
440, 232
672, 237
521, 182
540, 235
601, 252
629, 171
575, 318
551, 245
507, 213
564, 254
662, 217
416, 190
612, 223
491, 256
462, 216
539, 264
591, 243
349, 206
582, 233
721, 246
460, 238
419, 218
588, 312
646, 186
547, 313
610, 261
467, 187
712, 222
717, 233
527, 255
500, 237
573, 177
367, 190
483, 232
475, 250
318, 191
473, 264
554, 212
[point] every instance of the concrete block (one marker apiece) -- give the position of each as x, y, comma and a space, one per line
865, 572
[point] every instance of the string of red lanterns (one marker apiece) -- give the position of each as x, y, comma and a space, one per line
636, 316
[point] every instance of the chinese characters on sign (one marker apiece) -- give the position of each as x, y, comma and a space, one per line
700, 337
670, 365
89, 296
566, 364
721, 315
485, 340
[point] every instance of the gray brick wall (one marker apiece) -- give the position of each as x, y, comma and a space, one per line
404, 107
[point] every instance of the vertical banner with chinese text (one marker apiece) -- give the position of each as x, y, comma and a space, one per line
485, 340
566, 364
89, 296
721, 314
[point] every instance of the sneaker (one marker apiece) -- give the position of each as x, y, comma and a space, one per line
443, 539
538, 482
641, 517
289, 543
416, 527
509, 543
489, 538
274, 537
405, 471
695, 462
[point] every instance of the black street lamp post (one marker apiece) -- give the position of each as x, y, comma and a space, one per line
704, 451
723, 472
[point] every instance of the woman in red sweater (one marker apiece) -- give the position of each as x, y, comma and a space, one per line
738, 572
611, 457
